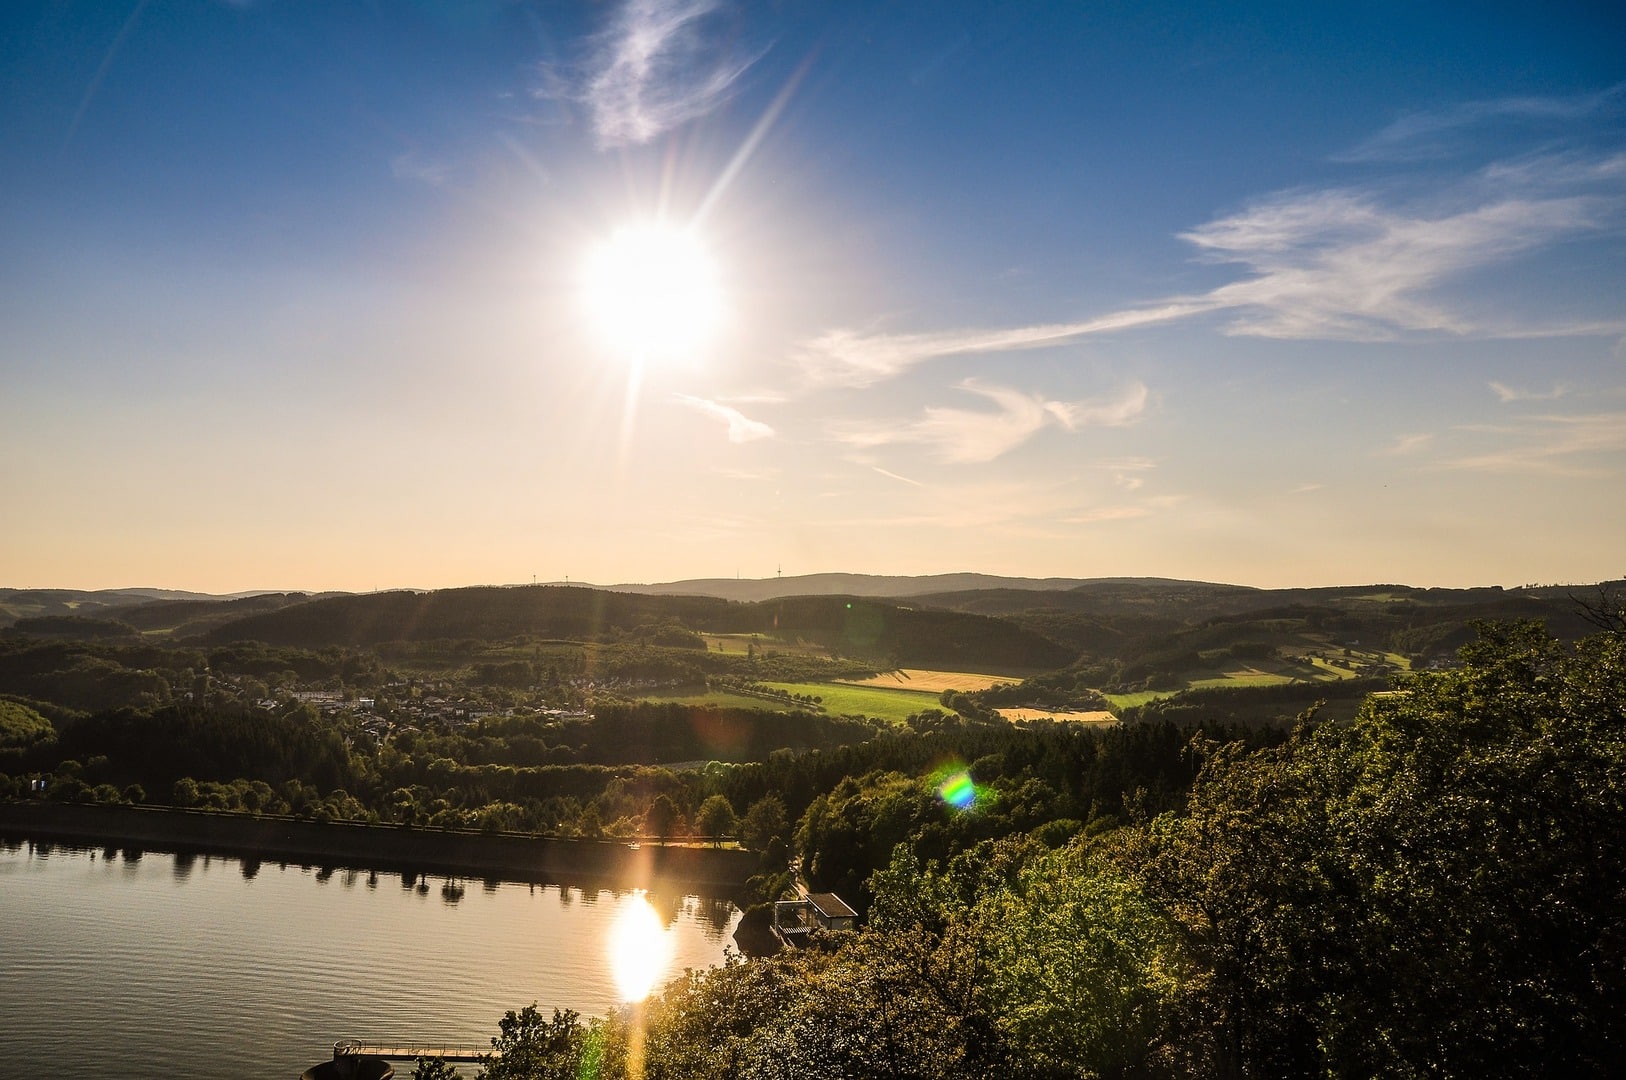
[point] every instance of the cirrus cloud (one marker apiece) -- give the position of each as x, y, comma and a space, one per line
653, 70
966, 436
741, 428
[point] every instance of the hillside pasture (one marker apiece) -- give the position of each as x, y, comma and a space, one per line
929, 682
839, 699
892, 706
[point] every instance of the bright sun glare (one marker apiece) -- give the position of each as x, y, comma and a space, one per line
640, 949
652, 294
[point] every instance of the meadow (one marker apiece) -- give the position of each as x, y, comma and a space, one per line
930, 682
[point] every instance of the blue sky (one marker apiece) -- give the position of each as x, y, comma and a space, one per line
290, 293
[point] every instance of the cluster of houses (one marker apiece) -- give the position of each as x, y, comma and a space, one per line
407, 711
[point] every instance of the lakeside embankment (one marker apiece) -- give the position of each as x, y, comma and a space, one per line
380, 847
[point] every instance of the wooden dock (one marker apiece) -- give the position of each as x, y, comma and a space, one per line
413, 1051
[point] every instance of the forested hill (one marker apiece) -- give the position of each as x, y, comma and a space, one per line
880, 586
487, 613
851, 626
1191, 601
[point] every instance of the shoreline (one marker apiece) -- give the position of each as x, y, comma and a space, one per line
392, 848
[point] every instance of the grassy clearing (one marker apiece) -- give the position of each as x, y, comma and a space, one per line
1243, 677
1139, 697
843, 700
929, 682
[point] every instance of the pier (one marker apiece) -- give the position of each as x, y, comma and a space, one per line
412, 1051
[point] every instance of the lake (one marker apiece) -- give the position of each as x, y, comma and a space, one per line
117, 964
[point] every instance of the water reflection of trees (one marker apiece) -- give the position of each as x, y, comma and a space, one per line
716, 912
712, 912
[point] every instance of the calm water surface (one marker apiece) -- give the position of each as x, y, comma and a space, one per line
118, 965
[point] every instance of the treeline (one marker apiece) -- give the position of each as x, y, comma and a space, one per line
95, 676
839, 778
1436, 888
483, 613
1249, 705
848, 626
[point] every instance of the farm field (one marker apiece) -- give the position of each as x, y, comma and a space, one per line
930, 682
1242, 677
840, 699
1100, 716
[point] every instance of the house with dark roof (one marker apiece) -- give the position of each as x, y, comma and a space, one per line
794, 920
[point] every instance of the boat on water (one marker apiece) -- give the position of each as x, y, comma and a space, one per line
349, 1063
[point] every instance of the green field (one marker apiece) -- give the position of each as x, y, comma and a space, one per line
1242, 678
1139, 697
842, 700
894, 706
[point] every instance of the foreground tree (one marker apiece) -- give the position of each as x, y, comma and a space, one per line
531, 1047
1438, 888
435, 1069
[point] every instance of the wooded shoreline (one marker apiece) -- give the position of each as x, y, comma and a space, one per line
532, 859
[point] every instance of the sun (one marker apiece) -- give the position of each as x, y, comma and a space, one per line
651, 293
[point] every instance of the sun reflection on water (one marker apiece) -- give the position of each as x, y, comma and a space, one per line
640, 948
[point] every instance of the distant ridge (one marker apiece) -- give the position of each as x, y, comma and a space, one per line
868, 585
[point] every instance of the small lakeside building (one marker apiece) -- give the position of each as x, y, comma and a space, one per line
794, 920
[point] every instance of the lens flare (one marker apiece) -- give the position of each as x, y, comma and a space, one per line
958, 791
640, 949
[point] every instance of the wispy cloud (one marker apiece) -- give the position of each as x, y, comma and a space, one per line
964, 436
1507, 394
102, 69
1125, 511
1108, 513
894, 476
653, 69
1554, 446
413, 165
1330, 264
1337, 265
1405, 445
741, 428
1437, 133
855, 359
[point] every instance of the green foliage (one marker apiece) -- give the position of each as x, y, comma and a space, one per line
1083, 968
765, 820
21, 726
663, 819
1436, 888
715, 819
435, 1069
531, 1047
